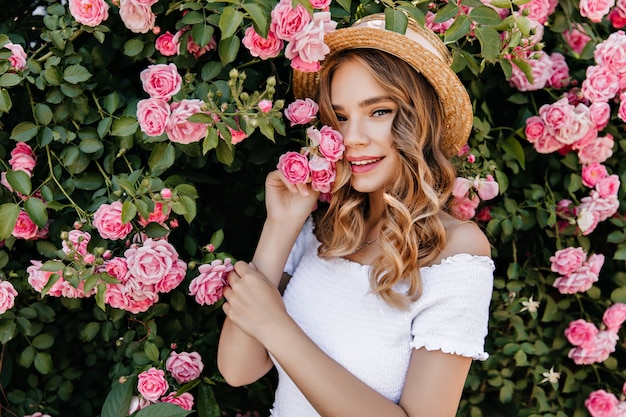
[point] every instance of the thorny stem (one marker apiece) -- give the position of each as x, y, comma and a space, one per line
81, 212
145, 327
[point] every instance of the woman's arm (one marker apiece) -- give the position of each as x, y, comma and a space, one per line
434, 381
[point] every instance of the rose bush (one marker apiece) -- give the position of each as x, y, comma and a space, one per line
135, 136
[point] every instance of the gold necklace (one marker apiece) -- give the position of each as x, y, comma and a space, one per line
365, 244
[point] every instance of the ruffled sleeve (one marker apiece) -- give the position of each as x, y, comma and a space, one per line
453, 312
300, 246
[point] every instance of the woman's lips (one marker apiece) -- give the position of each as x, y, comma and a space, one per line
362, 166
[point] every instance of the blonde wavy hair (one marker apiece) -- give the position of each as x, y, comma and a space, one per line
412, 234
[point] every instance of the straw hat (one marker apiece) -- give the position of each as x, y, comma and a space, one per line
419, 47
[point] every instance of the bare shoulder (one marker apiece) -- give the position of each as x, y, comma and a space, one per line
463, 237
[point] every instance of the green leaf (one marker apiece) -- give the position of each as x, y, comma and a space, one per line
489, 39
211, 70
225, 153
19, 181
9, 79
43, 341
111, 102
5, 101
151, 351
207, 405
396, 21
259, 18
36, 210
124, 126
512, 146
202, 33
90, 331
193, 18
458, 29
447, 12
133, 47
43, 114
162, 157
75, 74
155, 230
228, 48
88, 181
190, 208
163, 410
52, 266
485, 15
43, 363
53, 75
118, 399
27, 356
129, 211
7, 330
266, 129
525, 67
24, 131
210, 141
90, 145
217, 238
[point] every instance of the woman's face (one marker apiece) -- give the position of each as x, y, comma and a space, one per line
365, 112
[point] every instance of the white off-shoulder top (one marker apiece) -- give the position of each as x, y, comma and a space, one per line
330, 299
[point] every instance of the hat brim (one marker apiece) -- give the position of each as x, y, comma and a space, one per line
456, 104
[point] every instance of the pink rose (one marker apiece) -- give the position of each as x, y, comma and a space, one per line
137, 17
617, 17
152, 384
7, 296
541, 69
587, 221
595, 10
36, 277
295, 167
179, 129
603, 207
184, 400
568, 260
89, 12
192, 47
487, 188
461, 187
539, 10
584, 356
600, 84
301, 112
76, 243
621, 111
437, 27
595, 263
173, 278
137, 403
593, 173
264, 48
576, 38
166, 45
600, 113
209, 285
265, 105
598, 150
236, 136
578, 281
184, 366
548, 143
153, 115
581, 333
323, 173
608, 186
557, 115
152, 261
288, 21
611, 53
331, 144
18, 57
116, 297
601, 403
161, 81
159, 215
108, 220
464, 208
535, 129
614, 316
308, 46
580, 131
25, 228
23, 158
559, 77
117, 268
320, 4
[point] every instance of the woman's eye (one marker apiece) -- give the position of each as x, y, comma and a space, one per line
341, 118
381, 112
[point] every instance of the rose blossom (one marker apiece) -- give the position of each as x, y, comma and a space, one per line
600, 114
159, 215
323, 173
108, 220
464, 208
89, 12
295, 167
137, 17
617, 16
601, 403
578, 281
595, 10
38, 278
598, 150
166, 45
308, 45
568, 260
581, 333
331, 144
23, 158
539, 10
559, 76
576, 38
208, 286
152, 384
614, 316
173, 278
179, 129
161, 81
301, 112
593, 173
7, 296
192, 47
137, 403
287, 21
117, 268
461, 187
184, 366
25, 228
152, 261
153, 115
184, 400
535, 129
18, 57
541, 69
437, 27
611, 53
600, 84
487, 188
264, 48
265, 105
608, 186
76, 242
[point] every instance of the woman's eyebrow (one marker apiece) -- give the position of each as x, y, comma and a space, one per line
367, 102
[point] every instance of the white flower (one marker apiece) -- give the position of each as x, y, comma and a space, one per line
551, 376
530, 305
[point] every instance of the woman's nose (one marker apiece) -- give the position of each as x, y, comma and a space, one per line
353, 134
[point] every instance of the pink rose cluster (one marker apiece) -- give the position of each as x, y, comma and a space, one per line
303, 32
18, 56
22, 159
593, 345
7, 296
600, 403
145, 271
169, 44
467, 194
602, 203
208, 286
547, 71
136, 15
315, 163
595, 10
577, 272
152, 384
108, 221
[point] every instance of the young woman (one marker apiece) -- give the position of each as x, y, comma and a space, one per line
388, 298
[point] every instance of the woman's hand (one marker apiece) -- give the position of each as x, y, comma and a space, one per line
253, 303
288, 202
